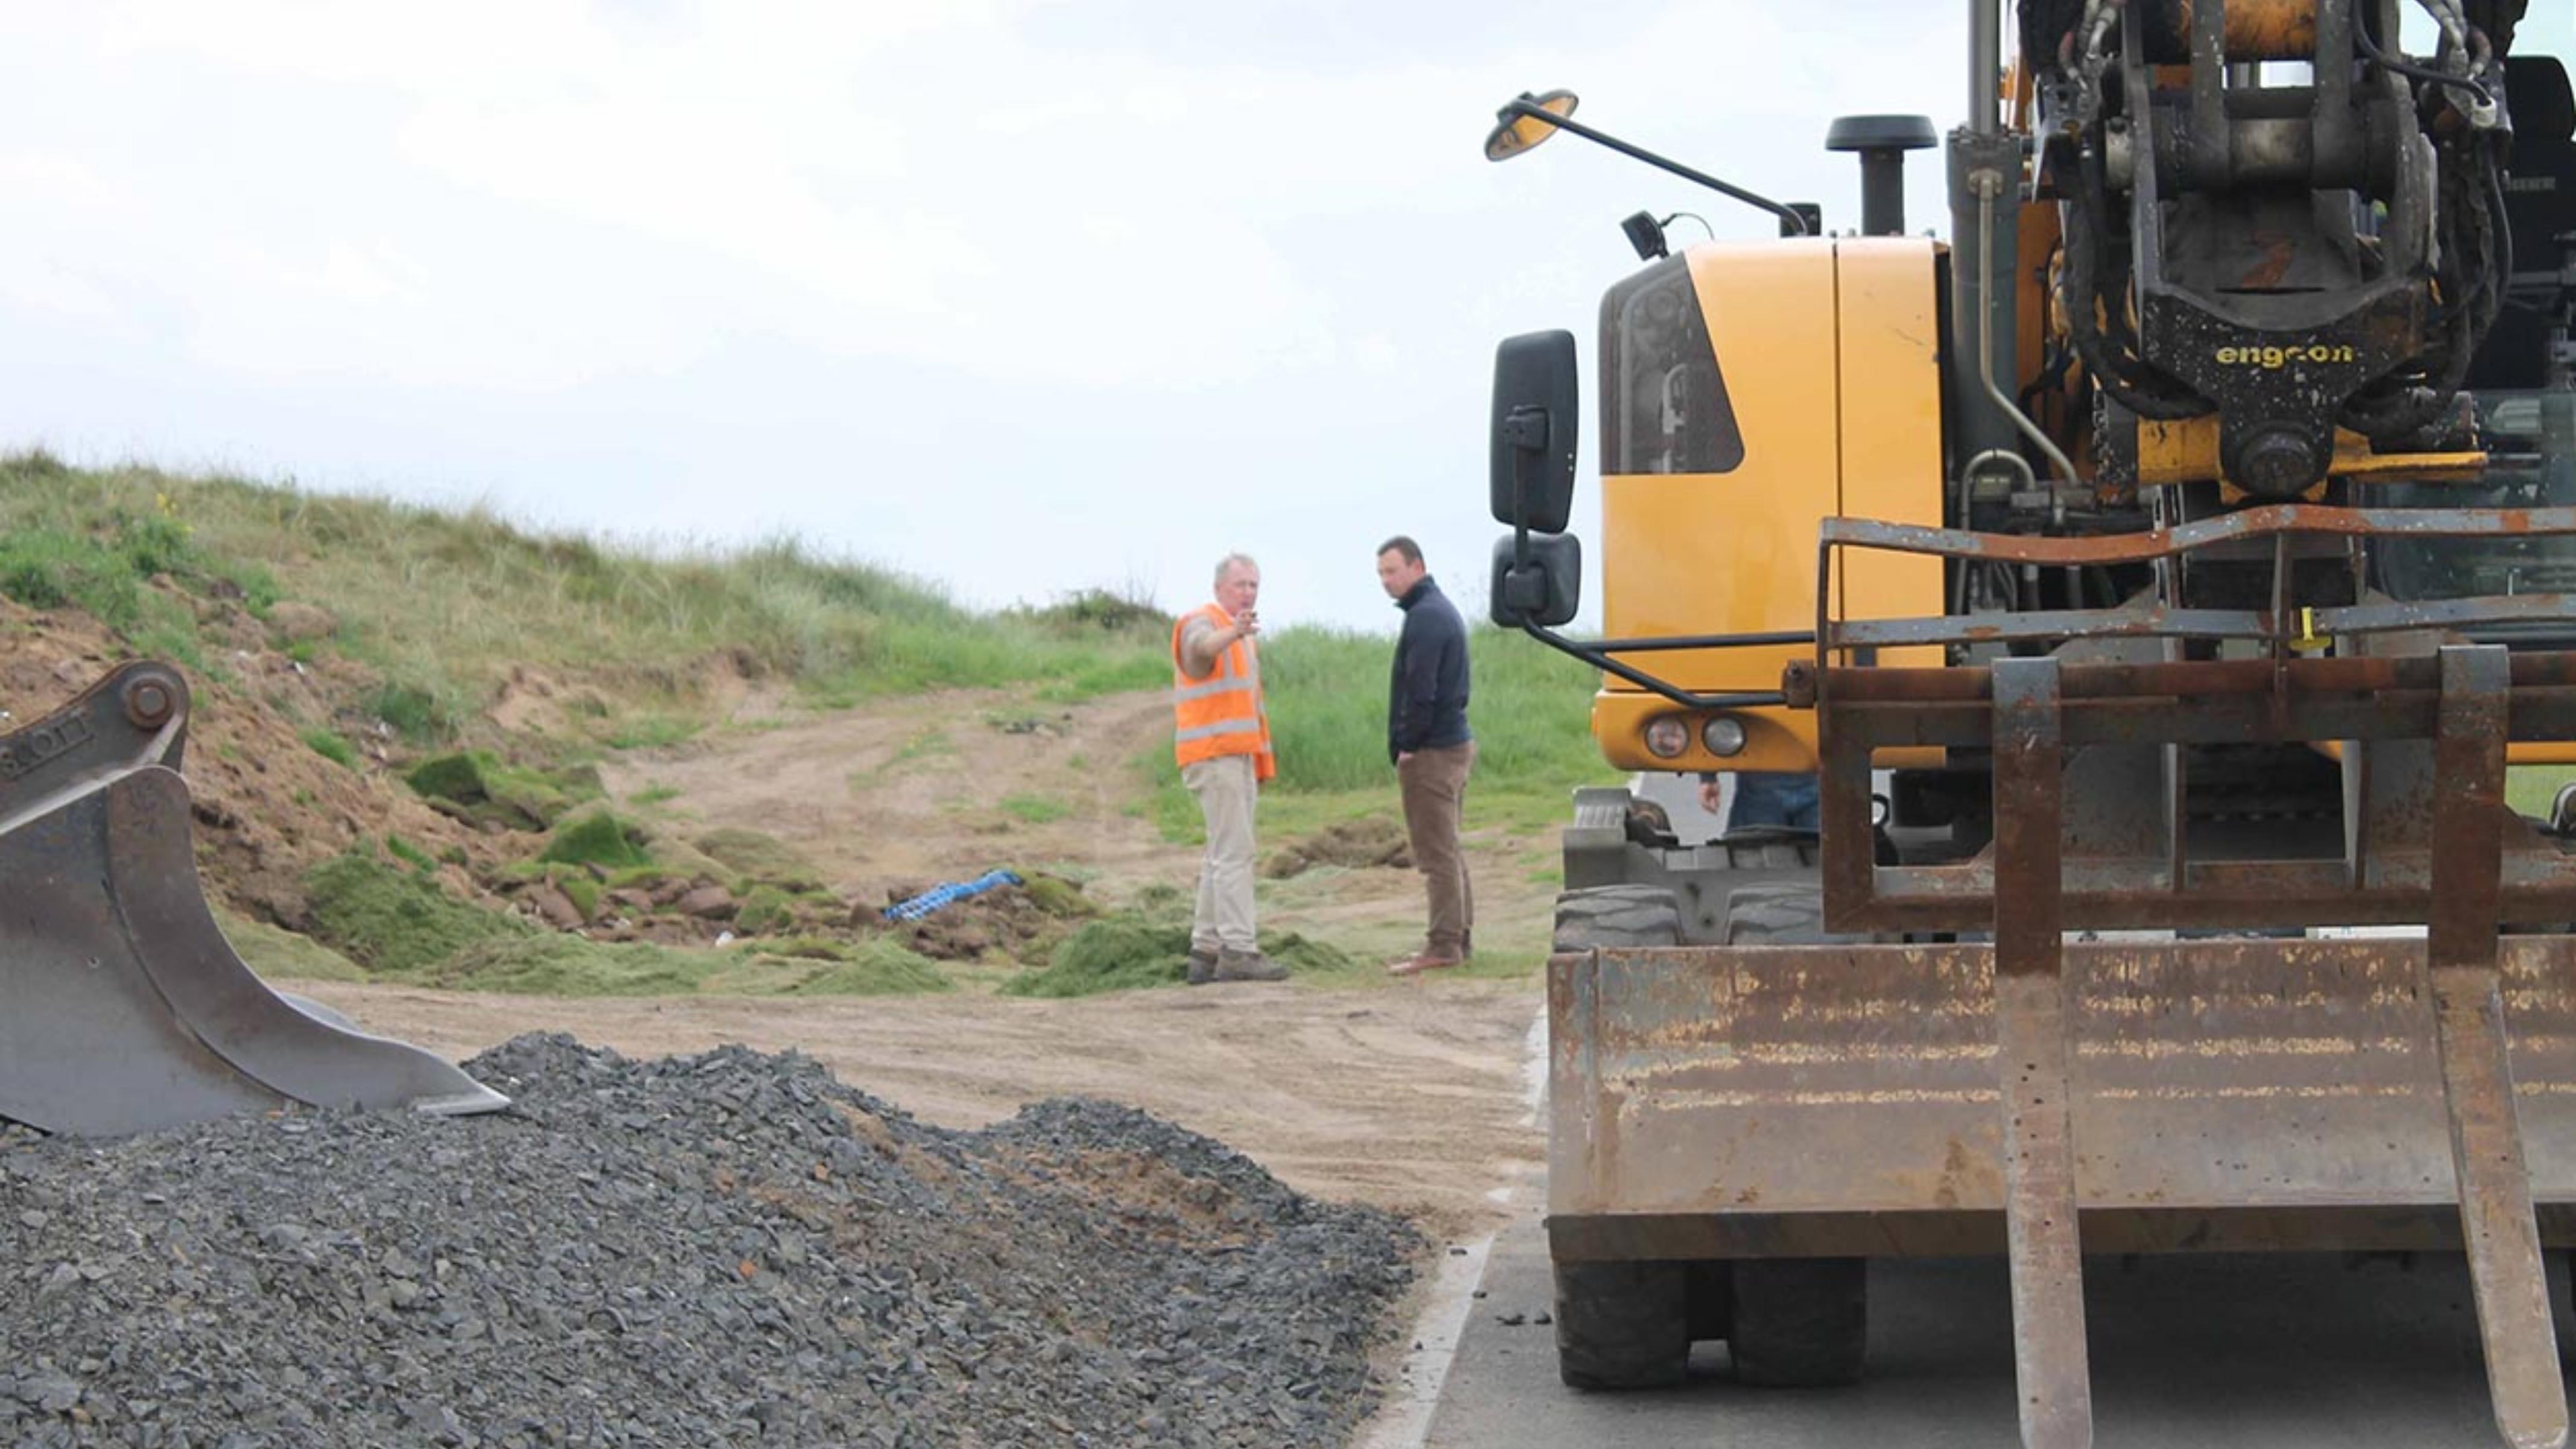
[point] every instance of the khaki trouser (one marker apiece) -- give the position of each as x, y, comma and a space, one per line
1435, 793
1226, 790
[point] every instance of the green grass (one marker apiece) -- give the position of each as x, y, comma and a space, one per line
1146, 944
1035, 809
377, 920
571, 966
2532, 789
283, 955
391, 921
1530, 708
421, 715
331, 747
442, 605
651, 732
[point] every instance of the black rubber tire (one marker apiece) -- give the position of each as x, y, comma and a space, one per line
2562, 1307
1622, 1325
1793, 1322
1619, 915
1712, 1298
1799, 1323
1776, 915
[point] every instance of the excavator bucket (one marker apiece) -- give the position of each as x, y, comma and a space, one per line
126, 1008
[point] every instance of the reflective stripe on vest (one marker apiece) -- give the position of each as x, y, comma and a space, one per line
1220, 714
1220, 683
1221, 727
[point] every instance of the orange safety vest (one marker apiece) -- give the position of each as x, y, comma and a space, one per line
1219, 714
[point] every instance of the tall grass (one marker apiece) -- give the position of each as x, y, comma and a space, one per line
1529, 706
444, 603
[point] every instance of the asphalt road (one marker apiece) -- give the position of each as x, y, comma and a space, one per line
2188, 1353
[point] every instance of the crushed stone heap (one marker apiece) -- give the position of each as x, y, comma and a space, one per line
725, 1249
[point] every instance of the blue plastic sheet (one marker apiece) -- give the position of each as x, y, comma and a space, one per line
938, 896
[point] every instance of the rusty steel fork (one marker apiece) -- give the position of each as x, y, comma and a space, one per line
2045, 1252
2496, 1218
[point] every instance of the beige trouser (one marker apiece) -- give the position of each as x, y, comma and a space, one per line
1435, 793
1226, 791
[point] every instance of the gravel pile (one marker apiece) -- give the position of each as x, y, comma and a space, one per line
715, 1250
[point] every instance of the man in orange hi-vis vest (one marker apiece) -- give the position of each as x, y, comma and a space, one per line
1221, 736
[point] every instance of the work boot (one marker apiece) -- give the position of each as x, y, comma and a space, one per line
1248, 966
1202, 965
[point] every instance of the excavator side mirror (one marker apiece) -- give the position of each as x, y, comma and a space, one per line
1536, 407
1542, 588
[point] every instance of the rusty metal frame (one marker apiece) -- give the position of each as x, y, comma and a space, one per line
2277, 523
2428, 841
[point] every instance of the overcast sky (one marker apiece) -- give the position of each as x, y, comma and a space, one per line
1017, 296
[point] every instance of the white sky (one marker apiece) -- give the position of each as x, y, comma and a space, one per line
1021, 296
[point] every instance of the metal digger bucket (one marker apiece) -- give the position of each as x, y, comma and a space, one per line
122, 1007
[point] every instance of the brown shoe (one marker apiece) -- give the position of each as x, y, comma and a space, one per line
1202, 967
1426, 961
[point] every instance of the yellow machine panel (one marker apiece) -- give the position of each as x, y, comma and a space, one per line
1827, 354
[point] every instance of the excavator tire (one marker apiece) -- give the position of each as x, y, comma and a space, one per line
1624, 1325
1798, 1323
1619, 915
1793, 1322
125, 1008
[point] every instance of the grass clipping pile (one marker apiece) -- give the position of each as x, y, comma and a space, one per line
706, 1250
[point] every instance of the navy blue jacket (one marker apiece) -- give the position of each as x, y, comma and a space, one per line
1427, 699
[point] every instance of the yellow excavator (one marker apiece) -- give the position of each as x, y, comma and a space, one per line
2125, 616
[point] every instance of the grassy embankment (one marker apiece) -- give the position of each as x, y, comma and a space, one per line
429, 612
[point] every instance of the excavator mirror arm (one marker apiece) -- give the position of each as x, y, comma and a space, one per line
1527, 120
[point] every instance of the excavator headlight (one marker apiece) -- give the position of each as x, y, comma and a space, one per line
1667, 736
1724, 736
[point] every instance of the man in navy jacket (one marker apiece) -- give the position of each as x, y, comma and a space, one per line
1427, 737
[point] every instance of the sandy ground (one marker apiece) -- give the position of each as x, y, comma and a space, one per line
900, 793
912, 788
1410, 1098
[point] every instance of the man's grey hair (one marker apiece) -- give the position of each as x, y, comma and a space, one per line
1226, 565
